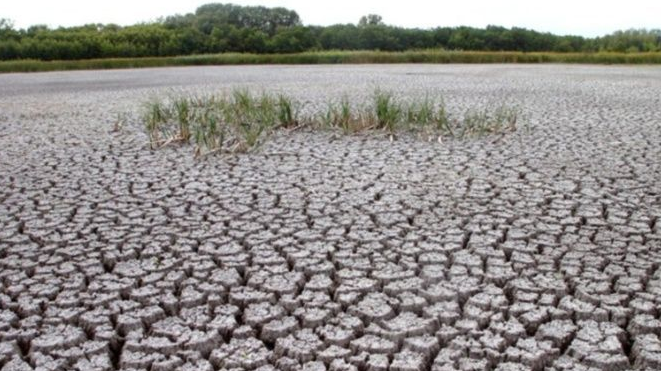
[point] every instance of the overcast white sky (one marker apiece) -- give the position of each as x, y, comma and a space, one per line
578, 17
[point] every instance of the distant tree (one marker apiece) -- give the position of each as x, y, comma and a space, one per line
179, 21
267, 20
292, 40
282, 18
467, 38
9, 50
441, 37
38, 28
7, 31
6, 24
342, 37
370, 20
252, 40
633, 40
191, 41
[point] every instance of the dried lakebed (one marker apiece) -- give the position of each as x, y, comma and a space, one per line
536, 250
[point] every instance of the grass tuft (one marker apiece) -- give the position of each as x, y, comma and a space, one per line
182, 109
421, 112
209, 133
155, 118
388, 112
287, 115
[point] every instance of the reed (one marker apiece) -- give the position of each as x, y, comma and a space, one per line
335, 57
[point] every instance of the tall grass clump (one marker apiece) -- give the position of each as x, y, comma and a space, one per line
182, 109
156, 117
344, 118
240, 121
250, 116
209, 133
388, 112
235, 122
421, 112
349, 118
340, 116
286, 112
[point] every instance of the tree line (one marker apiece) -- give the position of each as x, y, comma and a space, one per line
223, 28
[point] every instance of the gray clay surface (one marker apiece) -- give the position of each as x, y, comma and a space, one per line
538, 250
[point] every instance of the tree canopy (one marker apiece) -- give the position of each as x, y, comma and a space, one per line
220, 28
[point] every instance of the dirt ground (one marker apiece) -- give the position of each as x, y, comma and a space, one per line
537, 250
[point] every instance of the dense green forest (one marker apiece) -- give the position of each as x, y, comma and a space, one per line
221, 28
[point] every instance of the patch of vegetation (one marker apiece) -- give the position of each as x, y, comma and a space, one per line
240, 121
233, 123
333, 57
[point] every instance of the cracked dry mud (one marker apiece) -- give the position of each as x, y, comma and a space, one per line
536, 250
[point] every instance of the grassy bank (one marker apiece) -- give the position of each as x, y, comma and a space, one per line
335, 57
